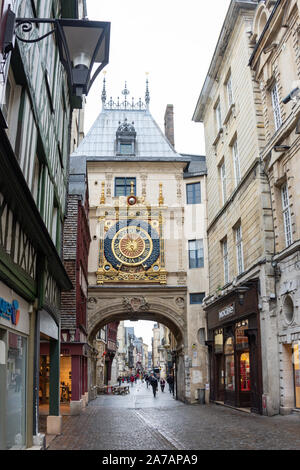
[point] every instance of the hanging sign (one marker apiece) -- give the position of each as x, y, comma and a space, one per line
10, 311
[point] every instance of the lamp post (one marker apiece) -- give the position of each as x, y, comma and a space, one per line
81, 43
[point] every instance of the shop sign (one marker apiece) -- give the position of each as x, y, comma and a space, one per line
229, 310
10, 311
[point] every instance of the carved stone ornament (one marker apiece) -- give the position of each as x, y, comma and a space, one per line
135, 304
180, 302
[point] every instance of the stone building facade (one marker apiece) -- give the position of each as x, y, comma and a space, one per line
276, 67
137, 179
241, 303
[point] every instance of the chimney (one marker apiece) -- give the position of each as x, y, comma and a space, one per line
169, 124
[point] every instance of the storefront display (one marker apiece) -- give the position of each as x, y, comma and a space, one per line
235, 351
296, 364
14, 336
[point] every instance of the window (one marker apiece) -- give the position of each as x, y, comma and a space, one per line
193, 193
276, 107
286, 215
123, 186
196, 254
229, 91
225, 261
239, 249
236, 163
223, 182
218, 116
125, 138
197, 298
218, 343
125, 149
229, 365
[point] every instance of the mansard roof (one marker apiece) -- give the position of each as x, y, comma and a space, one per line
100, 141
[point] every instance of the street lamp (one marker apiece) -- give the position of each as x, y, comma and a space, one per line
81, 43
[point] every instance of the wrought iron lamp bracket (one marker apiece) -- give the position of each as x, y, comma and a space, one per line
26, 25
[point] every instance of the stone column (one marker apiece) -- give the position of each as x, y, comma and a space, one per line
76, 402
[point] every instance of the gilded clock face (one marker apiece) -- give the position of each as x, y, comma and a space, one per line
132, 245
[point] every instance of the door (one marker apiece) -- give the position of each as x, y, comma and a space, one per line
244, 379
220, 377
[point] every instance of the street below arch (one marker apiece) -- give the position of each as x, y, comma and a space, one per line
138, 421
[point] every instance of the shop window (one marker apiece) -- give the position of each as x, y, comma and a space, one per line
245, 372
229, 365
219, 341
296, 364
241, 341
16, 391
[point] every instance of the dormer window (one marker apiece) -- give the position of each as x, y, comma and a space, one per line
125, 138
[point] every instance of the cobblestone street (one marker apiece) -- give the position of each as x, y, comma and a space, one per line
139, 421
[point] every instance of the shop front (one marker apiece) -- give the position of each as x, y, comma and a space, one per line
14, 339
234, 350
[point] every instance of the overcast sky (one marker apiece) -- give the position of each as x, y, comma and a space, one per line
174, 42
171, 40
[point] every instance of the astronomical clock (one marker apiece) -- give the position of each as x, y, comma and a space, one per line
131, 243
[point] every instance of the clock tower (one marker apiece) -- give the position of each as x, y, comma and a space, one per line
131, 242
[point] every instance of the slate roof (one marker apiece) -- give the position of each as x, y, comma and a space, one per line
151, 144
150, 141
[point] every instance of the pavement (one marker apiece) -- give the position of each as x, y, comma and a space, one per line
139, 421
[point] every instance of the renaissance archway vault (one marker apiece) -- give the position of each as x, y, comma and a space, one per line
165, 305
162, 304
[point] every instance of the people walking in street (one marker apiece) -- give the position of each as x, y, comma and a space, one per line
132, 380
120, 380
154, 384
147, 380
170, 380
162, 384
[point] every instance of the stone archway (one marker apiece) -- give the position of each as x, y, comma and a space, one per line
162, 304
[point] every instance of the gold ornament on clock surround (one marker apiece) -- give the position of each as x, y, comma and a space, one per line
132, 245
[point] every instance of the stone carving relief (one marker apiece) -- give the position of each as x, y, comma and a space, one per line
135, 304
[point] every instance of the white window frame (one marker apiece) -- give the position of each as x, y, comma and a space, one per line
276, 107
236, 162
229, 91
239, 249
218, 116
286, 215
225, 261
223, 182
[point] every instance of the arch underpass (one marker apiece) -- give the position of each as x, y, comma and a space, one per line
166, 305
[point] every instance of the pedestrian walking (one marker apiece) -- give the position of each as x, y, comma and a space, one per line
147, 380
154, 384
162, 384
132, 380
170, 381
120, 380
